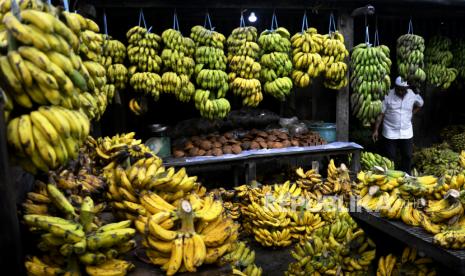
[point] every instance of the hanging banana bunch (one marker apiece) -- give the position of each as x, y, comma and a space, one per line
370, 80
275, 61
410, 63
138, 106
306, 58
210, 74
243, 52
334, 53
177, 59
438, 58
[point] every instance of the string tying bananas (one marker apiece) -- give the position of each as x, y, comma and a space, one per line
178, 59
70, 243
306, 58
333, 54
410, 58
243, 52
438, 58
210, 74
276, 62
47, 138
370, 81
409, 262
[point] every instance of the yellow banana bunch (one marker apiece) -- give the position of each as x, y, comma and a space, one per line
147, 83
306, 58
138, 106
114, 51
47, 138
408, 262
211, 108
117, 74
142, 50
104, 150
179, 85
243, 52
232, 209
242, 258
91, 46
333, 55
451, 237
203, 36
276, 62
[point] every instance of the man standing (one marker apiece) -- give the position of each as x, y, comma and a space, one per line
398, 107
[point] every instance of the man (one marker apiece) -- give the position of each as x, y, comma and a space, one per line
396, 115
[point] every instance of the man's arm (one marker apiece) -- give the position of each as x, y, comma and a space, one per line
417, 104
375, 134
416, 108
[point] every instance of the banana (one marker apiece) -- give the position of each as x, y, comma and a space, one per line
46, 128
176, 258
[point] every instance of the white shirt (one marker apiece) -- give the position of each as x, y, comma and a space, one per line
398, 114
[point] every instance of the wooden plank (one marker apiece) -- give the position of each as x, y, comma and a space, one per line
346, 27
10, 258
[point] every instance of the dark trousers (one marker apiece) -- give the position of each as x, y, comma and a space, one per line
405, 147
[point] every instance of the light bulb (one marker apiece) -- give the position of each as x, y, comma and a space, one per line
252, 17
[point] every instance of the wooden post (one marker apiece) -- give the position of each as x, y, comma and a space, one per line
11, 259
346, 27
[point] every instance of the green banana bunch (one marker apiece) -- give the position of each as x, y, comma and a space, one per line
306, 58
437, 160
179, 63
142, 50
410, 58
242, 258
243, 52
438, 58
370, 81
117, 74
458, 62
333, 56
80, 242
210, 74
457, 142
276, 62
47, 138
369, 160
147, 83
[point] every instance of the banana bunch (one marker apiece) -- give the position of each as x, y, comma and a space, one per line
452, 236
138, 106
91, 46
232, 209
80, 238
409, 262
438, 58
210, 107
429, 187
185, 237
47, 138
458, 62
333, 54
242, 259
341, 245
114, 51
370, 81
142, 50
117, 75
203, 36
8, 106
243, 52
444, 210
147, 83
457, 142
104, 150
385, 179
178, 59
410, 58
307, 180
369, 160
304, 222
306, 58
437, 160
95, 105
276, 62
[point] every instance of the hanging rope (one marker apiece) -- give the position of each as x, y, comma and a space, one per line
367, 31
105, 26
376, 38
175, 21
274, 21
410, 26
332, 24
208, 20
66, 5
242, 21
304, 22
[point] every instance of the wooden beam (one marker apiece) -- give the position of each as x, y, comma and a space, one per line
346, 27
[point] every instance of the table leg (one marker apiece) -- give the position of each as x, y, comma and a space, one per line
355, 166
250, 172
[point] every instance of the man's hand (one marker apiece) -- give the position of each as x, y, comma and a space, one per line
374, 136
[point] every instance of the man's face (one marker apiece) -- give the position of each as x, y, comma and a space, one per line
401, 91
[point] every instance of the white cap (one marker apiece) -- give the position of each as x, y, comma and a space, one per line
401, 82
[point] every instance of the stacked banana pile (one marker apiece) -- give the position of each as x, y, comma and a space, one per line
370, 81
458, 62
243, 52
276, 62
437, 160
438, 59
333, 54
340, 246
410, 58
183, 238
78, 239
457, 142
452, 237
306, 58
142, 53
105, 150
409, 263
369, 160
179, 65
242, 259
210, 74
270, 214
114, 54
47, 138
